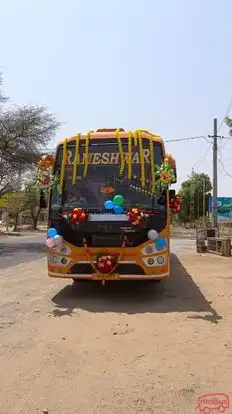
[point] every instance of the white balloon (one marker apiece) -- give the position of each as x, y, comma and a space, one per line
152, 234
58, 240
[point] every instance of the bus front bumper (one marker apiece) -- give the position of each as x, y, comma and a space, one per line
157, 276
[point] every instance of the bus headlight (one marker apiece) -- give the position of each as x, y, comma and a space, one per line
149, 249
160, 260
55, 259
150, 261
64, 250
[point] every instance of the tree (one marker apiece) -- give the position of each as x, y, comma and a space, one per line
10, 179
2, 96
24, 132
228, 122
16, 204
33, 203
197, 189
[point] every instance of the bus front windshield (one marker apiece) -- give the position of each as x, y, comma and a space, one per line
103, 179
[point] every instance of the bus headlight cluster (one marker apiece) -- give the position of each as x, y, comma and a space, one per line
154, 261
63, 250
157, 246
149, 249
58, 260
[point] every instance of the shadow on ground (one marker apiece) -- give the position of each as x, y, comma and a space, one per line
178, 294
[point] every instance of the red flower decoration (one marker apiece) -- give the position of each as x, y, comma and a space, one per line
78, 215
105, 264
175, 204
136, 216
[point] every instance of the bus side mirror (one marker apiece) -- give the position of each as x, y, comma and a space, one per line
172, 194
42, 200
175, 175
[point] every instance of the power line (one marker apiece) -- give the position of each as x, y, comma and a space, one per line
185, 139
199, 137
223, 168
227, 138
202, 158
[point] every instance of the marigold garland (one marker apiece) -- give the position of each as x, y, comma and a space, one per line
86, 156
166, 175
120, 149
141, 155
152, 166
135, 140
64, 160
45, 180
76, 159
47, 161
130, 155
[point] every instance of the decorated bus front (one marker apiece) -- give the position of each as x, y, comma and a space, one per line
108, 213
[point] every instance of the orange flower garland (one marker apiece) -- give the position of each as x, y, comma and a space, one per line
64, 160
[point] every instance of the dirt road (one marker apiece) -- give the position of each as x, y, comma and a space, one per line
122, 348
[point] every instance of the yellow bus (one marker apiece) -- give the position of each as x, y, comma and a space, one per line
109, 208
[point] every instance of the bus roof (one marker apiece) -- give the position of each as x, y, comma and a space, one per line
112, 133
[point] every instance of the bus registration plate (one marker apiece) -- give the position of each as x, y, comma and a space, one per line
96, 276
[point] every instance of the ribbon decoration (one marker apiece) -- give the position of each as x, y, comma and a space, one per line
117, 259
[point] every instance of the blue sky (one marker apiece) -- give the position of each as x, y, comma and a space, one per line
162, 65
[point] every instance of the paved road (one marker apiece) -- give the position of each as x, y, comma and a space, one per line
181, 245
16, 250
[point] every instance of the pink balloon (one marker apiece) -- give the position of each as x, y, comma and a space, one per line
50, 243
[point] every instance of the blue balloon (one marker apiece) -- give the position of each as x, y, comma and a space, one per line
118, 209
160, 243
109, 204
52, 232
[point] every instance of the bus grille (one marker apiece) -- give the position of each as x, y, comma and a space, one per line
115, 240
112, 240
122, 268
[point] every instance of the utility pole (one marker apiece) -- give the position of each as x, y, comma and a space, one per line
215, 181
192, 198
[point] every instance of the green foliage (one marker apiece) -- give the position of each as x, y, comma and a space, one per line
27, 200
17, 203
228, 122
197, 188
